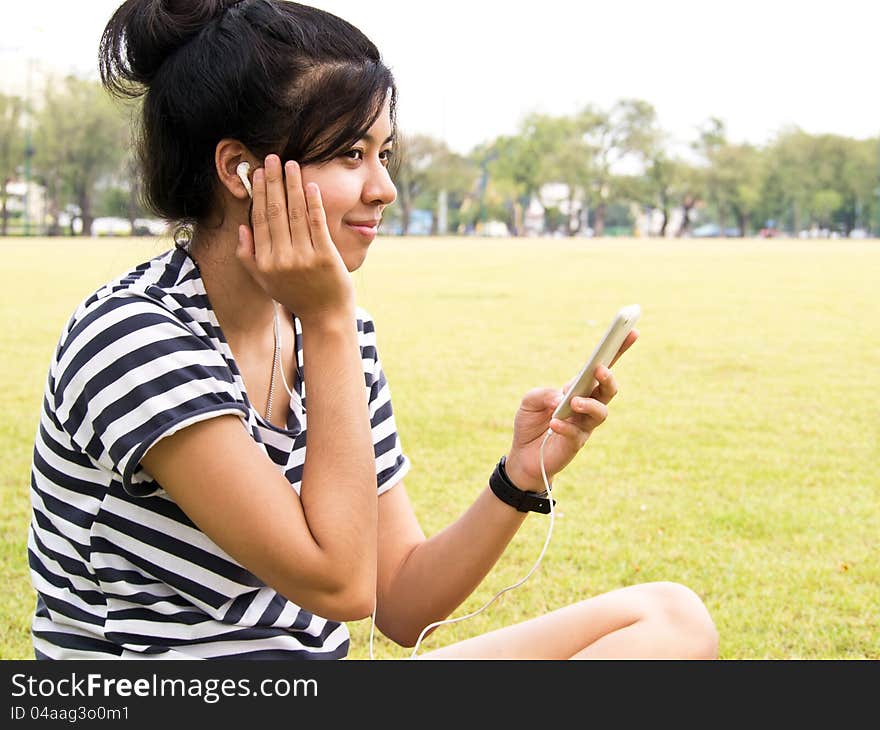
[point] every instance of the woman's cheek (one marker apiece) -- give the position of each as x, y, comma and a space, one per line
334, 226
333, 215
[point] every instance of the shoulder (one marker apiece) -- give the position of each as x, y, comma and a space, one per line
159, 291
147, 320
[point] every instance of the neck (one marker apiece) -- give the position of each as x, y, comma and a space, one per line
242, 306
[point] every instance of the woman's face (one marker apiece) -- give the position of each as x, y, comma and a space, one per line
356, 188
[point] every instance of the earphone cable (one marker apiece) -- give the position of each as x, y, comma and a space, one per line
294, 396
522, 580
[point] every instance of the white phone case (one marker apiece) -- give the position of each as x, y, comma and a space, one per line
605, 351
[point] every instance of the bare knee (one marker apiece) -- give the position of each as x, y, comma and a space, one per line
684, 617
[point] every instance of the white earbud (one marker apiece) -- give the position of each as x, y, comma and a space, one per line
242, 170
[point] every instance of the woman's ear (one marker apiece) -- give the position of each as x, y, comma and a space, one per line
234, 165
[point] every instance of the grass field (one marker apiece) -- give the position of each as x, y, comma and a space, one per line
741, 456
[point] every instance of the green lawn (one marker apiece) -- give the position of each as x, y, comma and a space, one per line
741, 456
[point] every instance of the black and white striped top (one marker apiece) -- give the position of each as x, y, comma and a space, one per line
119, 569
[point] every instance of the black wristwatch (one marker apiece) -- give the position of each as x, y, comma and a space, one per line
509, 493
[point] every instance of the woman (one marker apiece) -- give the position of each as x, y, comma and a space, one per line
217, 471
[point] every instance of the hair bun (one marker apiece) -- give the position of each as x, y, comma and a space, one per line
142, 34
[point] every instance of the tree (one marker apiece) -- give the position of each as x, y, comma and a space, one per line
821, 180
862, 181
564, 158
428, 168
791, 184
81, 135
450, 177
739, 171
627, 129
689, 186
513, 163
823, 205
11, 147
711, 137
660, 186
848, 169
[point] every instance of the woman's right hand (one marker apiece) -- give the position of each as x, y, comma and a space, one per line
289, 252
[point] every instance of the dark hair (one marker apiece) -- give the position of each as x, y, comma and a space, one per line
277, 76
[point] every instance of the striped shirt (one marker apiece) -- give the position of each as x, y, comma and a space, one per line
119, 569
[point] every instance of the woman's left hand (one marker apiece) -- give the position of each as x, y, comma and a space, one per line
533, 418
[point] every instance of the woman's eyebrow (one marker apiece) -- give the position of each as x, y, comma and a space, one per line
369, 138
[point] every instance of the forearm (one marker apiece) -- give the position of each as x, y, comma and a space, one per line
441, 572
339, 477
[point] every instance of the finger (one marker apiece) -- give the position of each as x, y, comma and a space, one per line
245, 251
317, 217
607, 387
569, 431
539, 400
589, 412
297, 209
262, 237
276, 205
627, 343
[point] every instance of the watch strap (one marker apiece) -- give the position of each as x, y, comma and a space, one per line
509, 493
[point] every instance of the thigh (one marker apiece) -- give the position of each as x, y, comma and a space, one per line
559, 634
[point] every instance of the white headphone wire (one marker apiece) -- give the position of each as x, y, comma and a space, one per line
293, 396
522, 580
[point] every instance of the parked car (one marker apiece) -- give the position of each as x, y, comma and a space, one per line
713, 230
149, 227
111, 227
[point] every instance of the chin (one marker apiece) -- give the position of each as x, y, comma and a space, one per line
354, 261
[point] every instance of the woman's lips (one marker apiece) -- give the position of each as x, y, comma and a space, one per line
367, 229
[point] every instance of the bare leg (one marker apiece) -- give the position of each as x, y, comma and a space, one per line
651, 620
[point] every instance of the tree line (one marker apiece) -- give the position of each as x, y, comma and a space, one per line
597, 169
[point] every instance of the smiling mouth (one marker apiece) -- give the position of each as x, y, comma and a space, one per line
366, 229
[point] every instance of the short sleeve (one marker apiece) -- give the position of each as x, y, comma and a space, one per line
391, 462
129, 373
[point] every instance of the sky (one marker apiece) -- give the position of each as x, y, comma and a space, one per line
468, 71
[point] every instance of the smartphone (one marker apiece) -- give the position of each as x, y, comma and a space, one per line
608, 346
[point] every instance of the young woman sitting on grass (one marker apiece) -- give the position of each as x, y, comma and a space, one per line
217, 472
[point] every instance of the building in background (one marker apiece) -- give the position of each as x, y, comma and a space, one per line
25, 208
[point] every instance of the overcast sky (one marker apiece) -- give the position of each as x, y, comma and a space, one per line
468, 71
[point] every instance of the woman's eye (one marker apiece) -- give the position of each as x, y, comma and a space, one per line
357, 155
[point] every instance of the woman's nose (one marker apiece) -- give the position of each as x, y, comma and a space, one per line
379, 188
